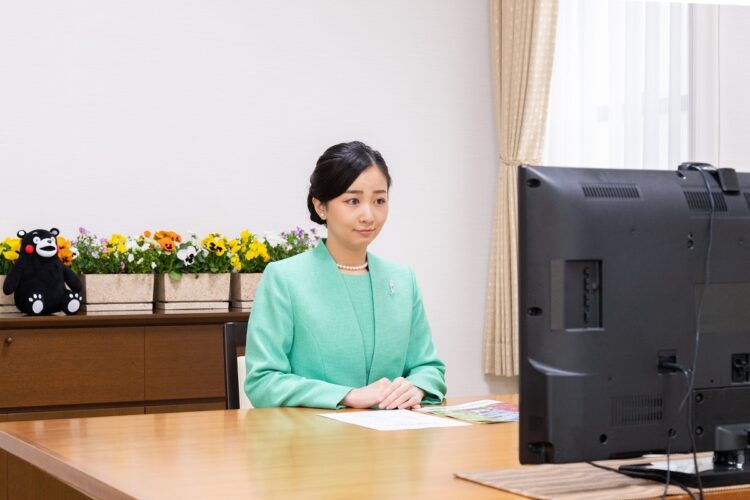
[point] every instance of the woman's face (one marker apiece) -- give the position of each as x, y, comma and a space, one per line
356, 217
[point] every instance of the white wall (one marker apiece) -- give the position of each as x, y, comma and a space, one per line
122, 116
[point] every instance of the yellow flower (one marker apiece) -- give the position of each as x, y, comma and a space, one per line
234, 246
13, 243
117, 242
10, 255
246, 235
215, 243
257, 249
235, 261
262, 250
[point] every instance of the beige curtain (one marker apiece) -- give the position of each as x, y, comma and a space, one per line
523, 43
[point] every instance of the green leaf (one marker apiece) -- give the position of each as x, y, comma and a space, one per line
175, 276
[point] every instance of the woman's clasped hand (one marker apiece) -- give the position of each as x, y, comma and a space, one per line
385, 394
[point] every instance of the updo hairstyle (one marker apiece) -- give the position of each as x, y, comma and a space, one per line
337, 169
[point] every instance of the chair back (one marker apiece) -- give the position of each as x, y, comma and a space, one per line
235, 335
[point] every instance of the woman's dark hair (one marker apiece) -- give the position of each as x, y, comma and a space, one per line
338, 168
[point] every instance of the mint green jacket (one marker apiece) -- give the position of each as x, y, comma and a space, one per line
304, 344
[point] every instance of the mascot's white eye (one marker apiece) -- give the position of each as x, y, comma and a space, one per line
36, 239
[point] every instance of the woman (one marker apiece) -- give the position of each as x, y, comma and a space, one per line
337, 326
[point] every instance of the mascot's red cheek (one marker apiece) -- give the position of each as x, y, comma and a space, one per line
29, 249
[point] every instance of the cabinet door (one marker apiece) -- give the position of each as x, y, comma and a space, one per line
184, 362
62, 366
3, 475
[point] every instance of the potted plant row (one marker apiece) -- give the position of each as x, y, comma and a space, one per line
165, 271
117, 273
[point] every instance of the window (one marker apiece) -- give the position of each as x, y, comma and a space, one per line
620, 88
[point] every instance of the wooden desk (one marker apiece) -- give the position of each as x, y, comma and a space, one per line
262, 453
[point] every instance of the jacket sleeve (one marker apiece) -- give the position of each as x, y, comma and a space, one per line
423, 368
270, 335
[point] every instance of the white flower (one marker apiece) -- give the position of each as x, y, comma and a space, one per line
130, 257
140, 261
153, 265
273, 239
187, 255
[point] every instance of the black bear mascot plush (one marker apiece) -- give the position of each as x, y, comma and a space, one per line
38, 277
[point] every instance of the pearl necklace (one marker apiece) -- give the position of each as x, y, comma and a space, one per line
351, 268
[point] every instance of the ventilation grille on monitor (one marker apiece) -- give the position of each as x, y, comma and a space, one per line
611, 190
698, 201
637, 410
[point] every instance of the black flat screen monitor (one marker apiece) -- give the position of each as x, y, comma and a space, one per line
612, 274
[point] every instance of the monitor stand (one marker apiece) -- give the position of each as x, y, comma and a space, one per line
713, 474
729, 465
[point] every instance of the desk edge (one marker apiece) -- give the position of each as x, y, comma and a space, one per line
53, 465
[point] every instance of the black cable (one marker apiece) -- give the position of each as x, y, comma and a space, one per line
685, 372
690, 374
698, 316
645, 475
707, 278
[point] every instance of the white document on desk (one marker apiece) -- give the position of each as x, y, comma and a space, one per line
392, 420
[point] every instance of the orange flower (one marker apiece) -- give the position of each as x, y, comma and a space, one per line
146, 233
66, 256
167, 244
169, 235
62, 243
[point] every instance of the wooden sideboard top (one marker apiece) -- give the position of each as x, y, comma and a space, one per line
120, 318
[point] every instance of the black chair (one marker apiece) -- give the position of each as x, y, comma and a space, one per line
234, 345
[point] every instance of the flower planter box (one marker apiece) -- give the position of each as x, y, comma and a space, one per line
193, 291
6, 301
242, 289
118, 292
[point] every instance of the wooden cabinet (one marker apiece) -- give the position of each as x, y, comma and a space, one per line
184, 362
71, 366
67, 366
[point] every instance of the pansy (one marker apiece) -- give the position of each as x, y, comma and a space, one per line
234, 246
10, 255
168, 234
187, 255
62, 243
236, 263
13, 243
215, 243
167, 244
